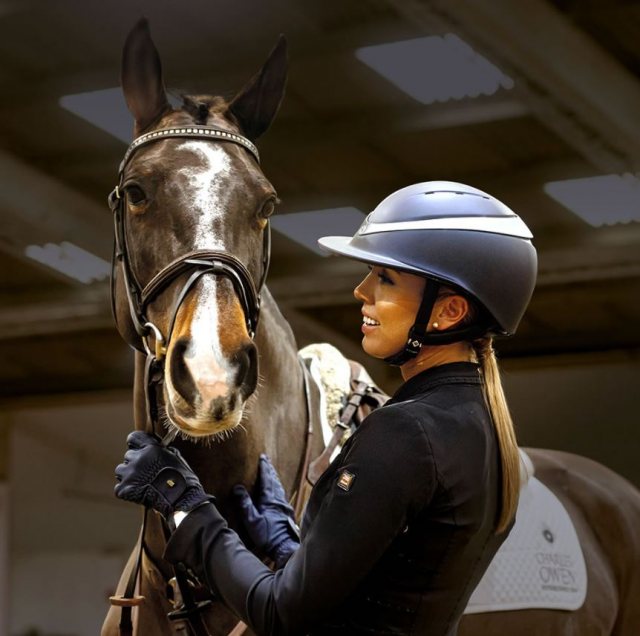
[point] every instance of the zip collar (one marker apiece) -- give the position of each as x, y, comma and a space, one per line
450, 373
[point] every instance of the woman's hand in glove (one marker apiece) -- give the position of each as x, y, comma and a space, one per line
157, 477
269, 521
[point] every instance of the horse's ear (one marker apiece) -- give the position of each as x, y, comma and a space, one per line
257, 104
141, 78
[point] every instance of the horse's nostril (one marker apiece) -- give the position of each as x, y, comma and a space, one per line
180, 376
247, 377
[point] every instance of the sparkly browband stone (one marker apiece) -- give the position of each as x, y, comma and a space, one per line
201, 132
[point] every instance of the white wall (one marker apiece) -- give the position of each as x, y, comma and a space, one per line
70, 537
587, 404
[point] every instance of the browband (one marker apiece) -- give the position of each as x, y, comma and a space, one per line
198, 132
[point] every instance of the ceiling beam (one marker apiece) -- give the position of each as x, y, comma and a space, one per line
573, 85
89, 309
40, 209
558, 267
46, 314
528, 179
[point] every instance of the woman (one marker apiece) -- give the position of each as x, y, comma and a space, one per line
400, 528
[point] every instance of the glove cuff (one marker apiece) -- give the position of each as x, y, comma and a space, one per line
283, 551
193, 498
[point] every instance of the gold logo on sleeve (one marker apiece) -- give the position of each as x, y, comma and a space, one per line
346, 480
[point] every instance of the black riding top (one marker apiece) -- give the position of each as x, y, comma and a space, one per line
397, 532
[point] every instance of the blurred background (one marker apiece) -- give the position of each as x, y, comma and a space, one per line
536, 102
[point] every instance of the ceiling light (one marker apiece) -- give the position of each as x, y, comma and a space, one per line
307, 227
105, 109
602, 200
435, 68
70, 260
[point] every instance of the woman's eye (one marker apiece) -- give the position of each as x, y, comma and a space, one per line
135, 195
384, 279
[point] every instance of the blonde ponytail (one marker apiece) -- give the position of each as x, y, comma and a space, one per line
497, 404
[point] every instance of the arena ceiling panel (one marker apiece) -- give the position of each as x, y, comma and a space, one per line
345, 137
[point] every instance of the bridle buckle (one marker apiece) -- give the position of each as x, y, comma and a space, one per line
160, 346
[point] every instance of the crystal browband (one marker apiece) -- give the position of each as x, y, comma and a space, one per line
200, 132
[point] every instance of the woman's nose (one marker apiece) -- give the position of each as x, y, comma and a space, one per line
362, 292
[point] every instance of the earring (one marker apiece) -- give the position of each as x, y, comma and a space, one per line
435, 325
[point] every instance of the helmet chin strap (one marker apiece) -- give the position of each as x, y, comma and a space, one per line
418, 332
418, 335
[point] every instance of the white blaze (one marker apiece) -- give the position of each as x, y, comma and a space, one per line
210, 371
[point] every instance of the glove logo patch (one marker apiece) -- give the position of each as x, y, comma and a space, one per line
345, 480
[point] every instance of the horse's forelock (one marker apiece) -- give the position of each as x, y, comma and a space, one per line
199, 110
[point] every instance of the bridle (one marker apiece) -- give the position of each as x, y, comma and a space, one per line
196, 263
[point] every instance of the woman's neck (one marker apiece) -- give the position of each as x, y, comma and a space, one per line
435, 356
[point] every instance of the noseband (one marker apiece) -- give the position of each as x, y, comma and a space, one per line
196, 263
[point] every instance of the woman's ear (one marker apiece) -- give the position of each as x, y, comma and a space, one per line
450, 311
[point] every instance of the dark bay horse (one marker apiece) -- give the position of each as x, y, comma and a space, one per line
605, 510
192, 195
185, 196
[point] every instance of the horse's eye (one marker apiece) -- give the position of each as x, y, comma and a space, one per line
135, 195
268, 209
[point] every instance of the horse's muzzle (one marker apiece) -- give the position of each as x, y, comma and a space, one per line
209, 398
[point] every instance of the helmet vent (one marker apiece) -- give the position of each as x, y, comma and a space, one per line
469, 194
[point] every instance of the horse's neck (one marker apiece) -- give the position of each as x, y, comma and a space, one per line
281, 403
275, 416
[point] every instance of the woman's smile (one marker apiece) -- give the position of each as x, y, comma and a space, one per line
390, 300
368, 324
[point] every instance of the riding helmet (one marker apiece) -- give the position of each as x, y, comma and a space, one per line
454, 235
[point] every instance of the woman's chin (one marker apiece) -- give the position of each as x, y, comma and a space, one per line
377, 349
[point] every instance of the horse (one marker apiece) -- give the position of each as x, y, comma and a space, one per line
188, 200
605, 511
229, 393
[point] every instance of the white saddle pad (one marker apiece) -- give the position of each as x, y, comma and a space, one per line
540, 565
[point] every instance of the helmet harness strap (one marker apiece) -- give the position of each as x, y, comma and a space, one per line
418, 335
418, 331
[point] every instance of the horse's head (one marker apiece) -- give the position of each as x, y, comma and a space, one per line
182, 195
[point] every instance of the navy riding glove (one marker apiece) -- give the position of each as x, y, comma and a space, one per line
270, 520
157, 477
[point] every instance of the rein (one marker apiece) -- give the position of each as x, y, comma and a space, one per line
187, 615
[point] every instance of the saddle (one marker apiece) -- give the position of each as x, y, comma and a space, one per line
347, 396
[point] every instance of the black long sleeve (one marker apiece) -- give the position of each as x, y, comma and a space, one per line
384, 475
